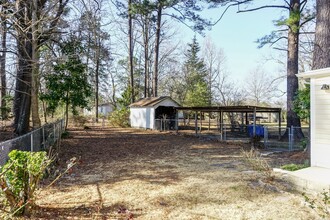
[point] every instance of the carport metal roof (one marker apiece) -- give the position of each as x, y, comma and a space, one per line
246, 108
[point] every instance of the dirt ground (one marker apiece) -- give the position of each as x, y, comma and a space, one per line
137, 174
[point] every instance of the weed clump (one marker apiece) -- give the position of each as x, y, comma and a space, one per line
257, 163
320, 204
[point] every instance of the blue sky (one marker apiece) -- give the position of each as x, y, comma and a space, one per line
236, 33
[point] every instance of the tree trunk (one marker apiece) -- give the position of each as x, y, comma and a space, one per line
130, 48
22, 99
146, 55
321, 57
159, 22
292, 69
67, 111
36, 123
113, 84
3, 85
97, 70
35, 68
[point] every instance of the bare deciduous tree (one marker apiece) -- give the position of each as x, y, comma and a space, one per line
261, 87
214, 60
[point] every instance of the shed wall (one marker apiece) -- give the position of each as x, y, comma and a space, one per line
320, 123
142, 117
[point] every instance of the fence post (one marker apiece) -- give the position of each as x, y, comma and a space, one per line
59, 135
290, 138
201, 123
265, 136
196, 128
54, 132
43, 137
225, 132
176, 121
31, 149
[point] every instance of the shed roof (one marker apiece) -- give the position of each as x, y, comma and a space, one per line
151, 101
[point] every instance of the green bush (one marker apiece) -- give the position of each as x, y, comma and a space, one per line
120, 118
303, 143
65, 134
293, 167
20, 177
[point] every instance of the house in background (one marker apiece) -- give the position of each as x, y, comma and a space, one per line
320, 116
104, 110
146, 112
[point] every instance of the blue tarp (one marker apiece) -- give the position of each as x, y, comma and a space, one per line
259, 130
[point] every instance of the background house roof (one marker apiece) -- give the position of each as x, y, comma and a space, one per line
151, 101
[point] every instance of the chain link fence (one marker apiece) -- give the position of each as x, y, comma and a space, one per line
283, 138
296, 138
37, 140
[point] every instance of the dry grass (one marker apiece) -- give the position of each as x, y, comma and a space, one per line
133, 174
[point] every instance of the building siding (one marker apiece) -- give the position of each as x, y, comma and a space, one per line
142, 117
320, 127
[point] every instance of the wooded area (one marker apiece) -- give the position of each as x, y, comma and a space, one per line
74, 54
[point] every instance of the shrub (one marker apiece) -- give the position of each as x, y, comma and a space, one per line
294, 167
303, 143
65, 134
79, 120
120, 118
20, 177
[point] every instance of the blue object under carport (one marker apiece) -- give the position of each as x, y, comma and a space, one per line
259, 130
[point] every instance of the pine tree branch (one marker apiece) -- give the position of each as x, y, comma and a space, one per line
263, 7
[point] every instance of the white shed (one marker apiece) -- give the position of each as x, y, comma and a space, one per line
145, 112
320, 116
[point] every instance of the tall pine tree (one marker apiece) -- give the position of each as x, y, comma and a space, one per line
197, 93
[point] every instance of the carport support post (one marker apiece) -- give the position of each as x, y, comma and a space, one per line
246, 119
201, 122
254, 121
176, 121
221, 125
279, 125
209, 120
218, 121
196, 128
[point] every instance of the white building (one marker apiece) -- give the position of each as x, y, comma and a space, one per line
145, 113
104, 110
320, 116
